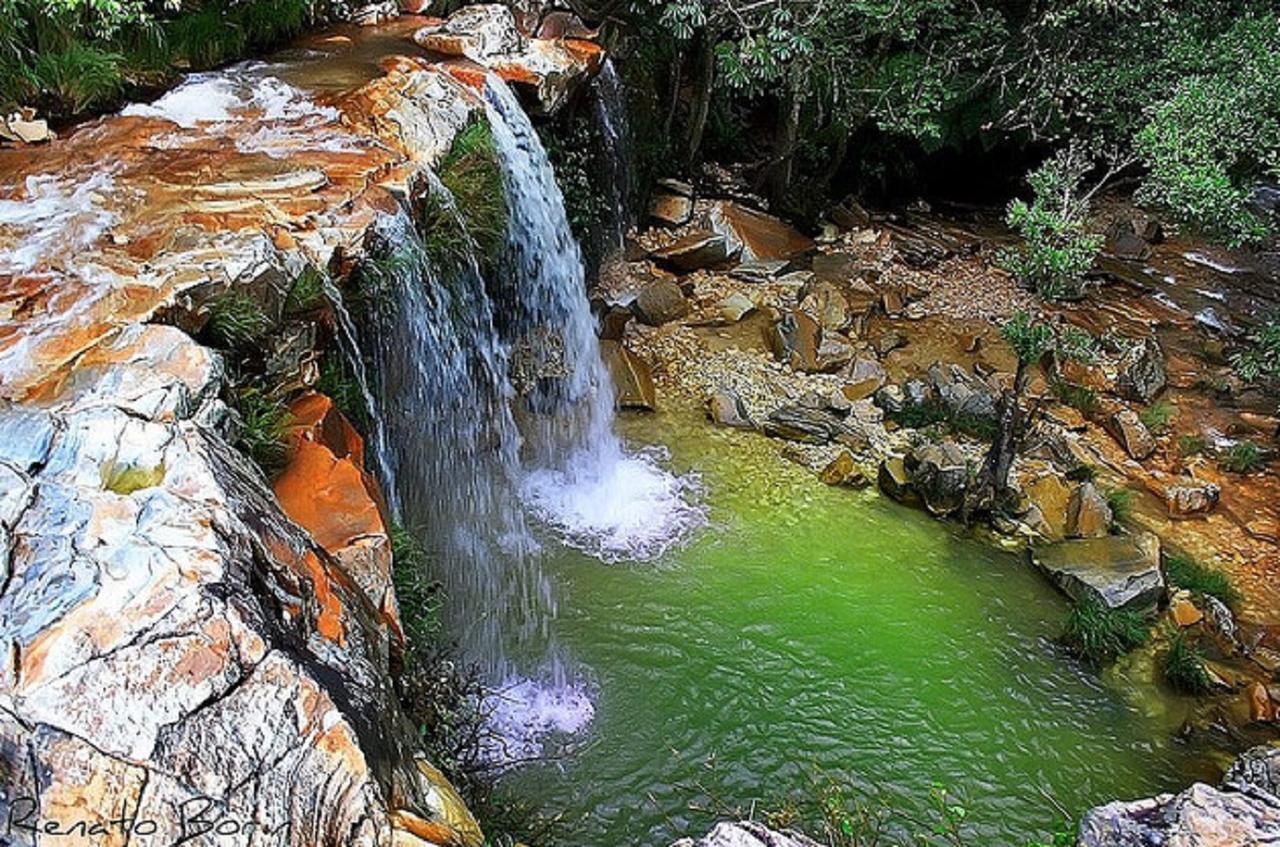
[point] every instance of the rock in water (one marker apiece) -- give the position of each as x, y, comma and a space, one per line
660, 303
1117, 570
1243, 811
844, 471
725, 408
939, 473
632, 379
748, 834
1142, 374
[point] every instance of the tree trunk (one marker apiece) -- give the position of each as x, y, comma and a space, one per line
992, 482
701, 108
785, 143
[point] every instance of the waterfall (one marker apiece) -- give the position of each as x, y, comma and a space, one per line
611, 112
577, 477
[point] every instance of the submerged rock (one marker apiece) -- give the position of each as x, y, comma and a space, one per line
1117, 570
1243, 810
844, 471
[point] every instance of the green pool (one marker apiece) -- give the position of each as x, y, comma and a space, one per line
812, 634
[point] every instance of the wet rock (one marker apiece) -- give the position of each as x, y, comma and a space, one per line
844, 471
481, 33
1132, 434
695, 251
895, 482
613, 321
725, 408
755, 236
1119, 571
660, 303
1184, 501
939, 473
1141, 374
795, 339
1244, 810
825, 302
748, 834
631, 376
1088, 514
961, 393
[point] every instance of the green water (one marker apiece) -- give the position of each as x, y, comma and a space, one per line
814, 633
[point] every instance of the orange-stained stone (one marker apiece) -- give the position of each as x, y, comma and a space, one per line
315, 418
328, 497
1185, 613
329, 614
1260, 706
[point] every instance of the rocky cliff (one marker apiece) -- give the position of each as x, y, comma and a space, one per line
188, 653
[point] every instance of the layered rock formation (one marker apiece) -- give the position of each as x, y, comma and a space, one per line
185, 649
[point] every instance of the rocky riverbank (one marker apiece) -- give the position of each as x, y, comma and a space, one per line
186, 643
875, 357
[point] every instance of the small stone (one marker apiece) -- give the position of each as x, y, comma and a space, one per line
895, 482
1189, 500
1132, 434
844, 471
660, 303
886, 343
726, 408
1184, 613
734, 307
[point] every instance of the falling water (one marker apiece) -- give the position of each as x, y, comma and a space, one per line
611, 111
578, 478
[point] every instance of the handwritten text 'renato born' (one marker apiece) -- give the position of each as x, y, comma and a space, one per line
194, 818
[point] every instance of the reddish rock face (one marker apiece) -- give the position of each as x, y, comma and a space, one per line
760, 237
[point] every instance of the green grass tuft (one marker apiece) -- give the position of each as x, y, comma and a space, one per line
1157, 417
1243, 457
306, 294
265, 422
1083, 472
471, 172
79, 76
236, 321
1184, 666
1121, 502
1192, 445
420, 598
1097, 633
1186, 572
1083, 400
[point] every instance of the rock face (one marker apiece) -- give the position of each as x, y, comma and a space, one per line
487, 35
1118, 571
1243, 810
175, 633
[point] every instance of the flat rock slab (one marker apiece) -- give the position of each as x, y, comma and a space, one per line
1120, 571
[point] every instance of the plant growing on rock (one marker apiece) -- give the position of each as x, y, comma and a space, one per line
1057, 249
1192, 445
236, 321
1120, 500
1183, 666
1261, 358
1097, 633
471, 172
1157, 417
1243, 457
1185, 572
264, 426
1031, 341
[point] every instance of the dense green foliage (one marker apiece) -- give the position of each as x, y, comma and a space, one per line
1261, 358
473, 176
1185, 572
1097, 633
70, 56
1243, 457
264, 421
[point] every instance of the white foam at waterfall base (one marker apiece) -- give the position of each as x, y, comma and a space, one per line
525, 716
619, 507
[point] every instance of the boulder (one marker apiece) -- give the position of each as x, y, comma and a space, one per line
795, 340
1088, 513
1119, 571
1243, 810
660, 303
939, 473
694, 251
844, 471
734, 307
887, 342
1132, 434
725, 408
894, 480
1141, 373
866, 376
1050, 496
1184, 501
825, 302
810, 425
25, 127
481, 33
755, 236
631, 376
961, 393
748, 834
671, 209
1124, 242
833, 355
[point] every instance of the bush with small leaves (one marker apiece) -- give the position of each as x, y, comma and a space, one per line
1243, 457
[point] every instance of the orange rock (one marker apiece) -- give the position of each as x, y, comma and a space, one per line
1185, 613
328, 496
315, 418
1260, 706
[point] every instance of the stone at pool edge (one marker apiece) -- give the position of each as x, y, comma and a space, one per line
1121, 571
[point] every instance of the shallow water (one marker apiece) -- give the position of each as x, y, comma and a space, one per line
814, 633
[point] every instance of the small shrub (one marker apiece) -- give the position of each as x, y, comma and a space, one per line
1243, 457
1192, 445
1121, 502
265, 422
1057, 250
1186, 572
1184, 666
1157, 417
1097, 633
79, 76
306, 294
343, 389
236, 321
1261, 359
1082, 399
